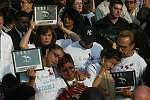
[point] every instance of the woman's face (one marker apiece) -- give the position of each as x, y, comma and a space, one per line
46, 38
54, 56
68, 71
68, 22
111, 63
130, 4
77, 5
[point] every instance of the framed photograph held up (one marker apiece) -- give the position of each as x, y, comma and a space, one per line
24, 59
45, 14
124, 80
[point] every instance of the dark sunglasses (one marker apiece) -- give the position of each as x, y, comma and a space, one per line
131, 2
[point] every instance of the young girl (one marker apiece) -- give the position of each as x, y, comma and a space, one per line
100, 72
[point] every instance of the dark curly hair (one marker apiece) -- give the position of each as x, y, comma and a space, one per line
66, 58
111, 53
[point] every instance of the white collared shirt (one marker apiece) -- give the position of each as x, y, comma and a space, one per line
6, 63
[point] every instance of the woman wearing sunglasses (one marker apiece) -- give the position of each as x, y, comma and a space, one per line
132, 9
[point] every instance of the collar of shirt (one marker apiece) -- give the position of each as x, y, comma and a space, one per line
20, 33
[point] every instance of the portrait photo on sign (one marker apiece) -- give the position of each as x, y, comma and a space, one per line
124, 80
24, 59
45, 14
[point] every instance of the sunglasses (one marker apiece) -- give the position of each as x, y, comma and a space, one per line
131, 2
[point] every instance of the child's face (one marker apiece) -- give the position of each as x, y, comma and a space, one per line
111, 63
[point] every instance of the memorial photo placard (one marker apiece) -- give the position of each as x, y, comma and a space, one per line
24, 59
124, 80
45, 14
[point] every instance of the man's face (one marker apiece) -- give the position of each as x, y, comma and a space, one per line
22, 24
124, 45
146, 3
116, 10
1, 22
86, 45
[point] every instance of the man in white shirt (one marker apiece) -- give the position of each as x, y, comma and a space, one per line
6, 46
85, 51
131, 60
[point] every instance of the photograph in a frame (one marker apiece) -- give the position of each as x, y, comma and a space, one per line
25, 59
45, 14
124, 80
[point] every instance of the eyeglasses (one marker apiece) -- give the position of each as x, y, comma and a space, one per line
56, 55
68, 69
127, 2
121, 47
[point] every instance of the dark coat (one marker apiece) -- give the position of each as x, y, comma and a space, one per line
15, 38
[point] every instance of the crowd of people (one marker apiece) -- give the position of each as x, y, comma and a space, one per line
93, 41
